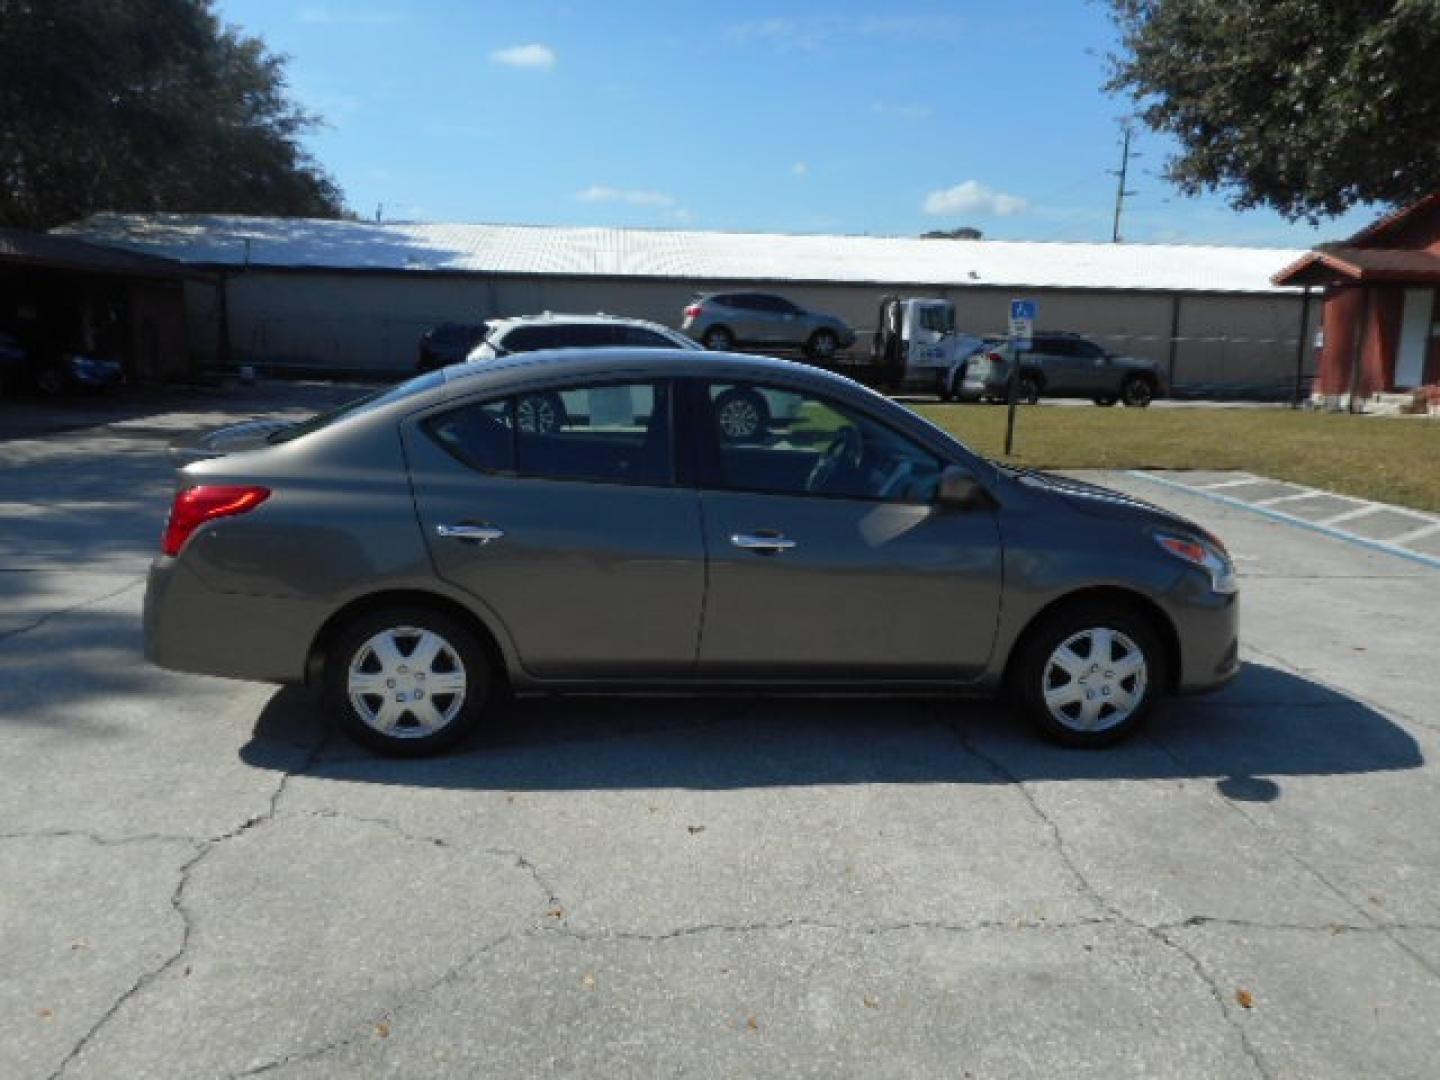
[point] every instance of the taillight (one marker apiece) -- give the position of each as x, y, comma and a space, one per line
693, 311
197, 505
995, 358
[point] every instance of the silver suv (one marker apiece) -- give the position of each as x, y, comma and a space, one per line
531, 333
721, 321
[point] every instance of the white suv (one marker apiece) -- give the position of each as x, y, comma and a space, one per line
531, 333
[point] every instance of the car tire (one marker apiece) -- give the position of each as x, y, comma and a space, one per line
822, 346
1105, 402
1059, 675
718, 339
944, 387
741, 414
1027, 390
1138, 392
50, 382
359, 662
540, 414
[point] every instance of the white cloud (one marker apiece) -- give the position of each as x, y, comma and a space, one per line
800, 168
328, 16
600, 193
534, 56
973, 197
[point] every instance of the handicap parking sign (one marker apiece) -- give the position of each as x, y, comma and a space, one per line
1022, 322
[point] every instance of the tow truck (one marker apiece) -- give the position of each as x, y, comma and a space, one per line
917, 346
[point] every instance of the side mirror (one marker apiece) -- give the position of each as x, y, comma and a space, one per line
959, 489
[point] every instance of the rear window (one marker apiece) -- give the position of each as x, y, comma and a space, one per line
380, 398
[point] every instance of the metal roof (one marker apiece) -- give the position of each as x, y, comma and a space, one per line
300, 243
64, 253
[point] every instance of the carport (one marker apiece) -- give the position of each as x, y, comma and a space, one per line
59, 295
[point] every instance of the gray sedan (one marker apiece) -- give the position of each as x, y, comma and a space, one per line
425, 551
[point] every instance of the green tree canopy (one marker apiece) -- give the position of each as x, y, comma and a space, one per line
146, 105
1306, 106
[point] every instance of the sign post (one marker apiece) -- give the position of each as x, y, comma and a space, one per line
1022, 329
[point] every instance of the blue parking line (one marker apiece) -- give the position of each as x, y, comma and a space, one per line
1276, 515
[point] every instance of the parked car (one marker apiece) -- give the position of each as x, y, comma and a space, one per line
554, 331
14, 364
723, 321
449, 343
1064, 365
24, 368
419, 553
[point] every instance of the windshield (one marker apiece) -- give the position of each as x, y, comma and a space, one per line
384, 396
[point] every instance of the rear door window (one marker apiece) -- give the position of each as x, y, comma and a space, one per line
617, 433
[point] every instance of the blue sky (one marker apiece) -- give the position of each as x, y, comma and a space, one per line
802, 117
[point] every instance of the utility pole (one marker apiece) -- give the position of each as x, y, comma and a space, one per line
1123, 173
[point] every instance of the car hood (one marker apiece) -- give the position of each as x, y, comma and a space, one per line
1096, 501
233, 439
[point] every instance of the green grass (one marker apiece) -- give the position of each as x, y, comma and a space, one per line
1394, 460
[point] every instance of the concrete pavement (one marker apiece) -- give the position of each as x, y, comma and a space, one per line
199, 881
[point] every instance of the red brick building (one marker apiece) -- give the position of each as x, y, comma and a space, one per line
1382, 318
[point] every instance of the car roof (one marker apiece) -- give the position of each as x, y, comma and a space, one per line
589, 363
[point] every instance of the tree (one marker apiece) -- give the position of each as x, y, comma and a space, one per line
146, 105
1306, 106
965, 232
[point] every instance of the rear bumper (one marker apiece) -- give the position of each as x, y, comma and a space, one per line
191, 627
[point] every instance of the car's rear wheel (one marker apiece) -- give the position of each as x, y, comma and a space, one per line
718, 339
1137, 392
540, 414
823, 345
407, 681
1027, 390
49, 381
1088, 676
741, 414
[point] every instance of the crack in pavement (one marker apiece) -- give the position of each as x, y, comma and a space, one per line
1087, 887
448, 976
43, 619
177, 906
1276, 837
521, 862
100, 839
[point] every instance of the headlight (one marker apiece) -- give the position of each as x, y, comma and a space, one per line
1208, 556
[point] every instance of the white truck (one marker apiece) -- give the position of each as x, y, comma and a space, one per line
917, 346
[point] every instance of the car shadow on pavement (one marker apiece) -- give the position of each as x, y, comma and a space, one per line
1268, 723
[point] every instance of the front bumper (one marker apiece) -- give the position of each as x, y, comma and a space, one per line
1207, 625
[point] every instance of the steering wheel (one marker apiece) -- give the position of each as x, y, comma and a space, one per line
846, 449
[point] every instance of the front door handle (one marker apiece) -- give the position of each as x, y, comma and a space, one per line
480, 534
762, 544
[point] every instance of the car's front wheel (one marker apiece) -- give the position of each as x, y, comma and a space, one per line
1089, 674
407, 681
1137, 392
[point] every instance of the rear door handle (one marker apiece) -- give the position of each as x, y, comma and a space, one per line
762, 544
480, 534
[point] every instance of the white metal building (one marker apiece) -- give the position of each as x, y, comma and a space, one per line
354, 295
